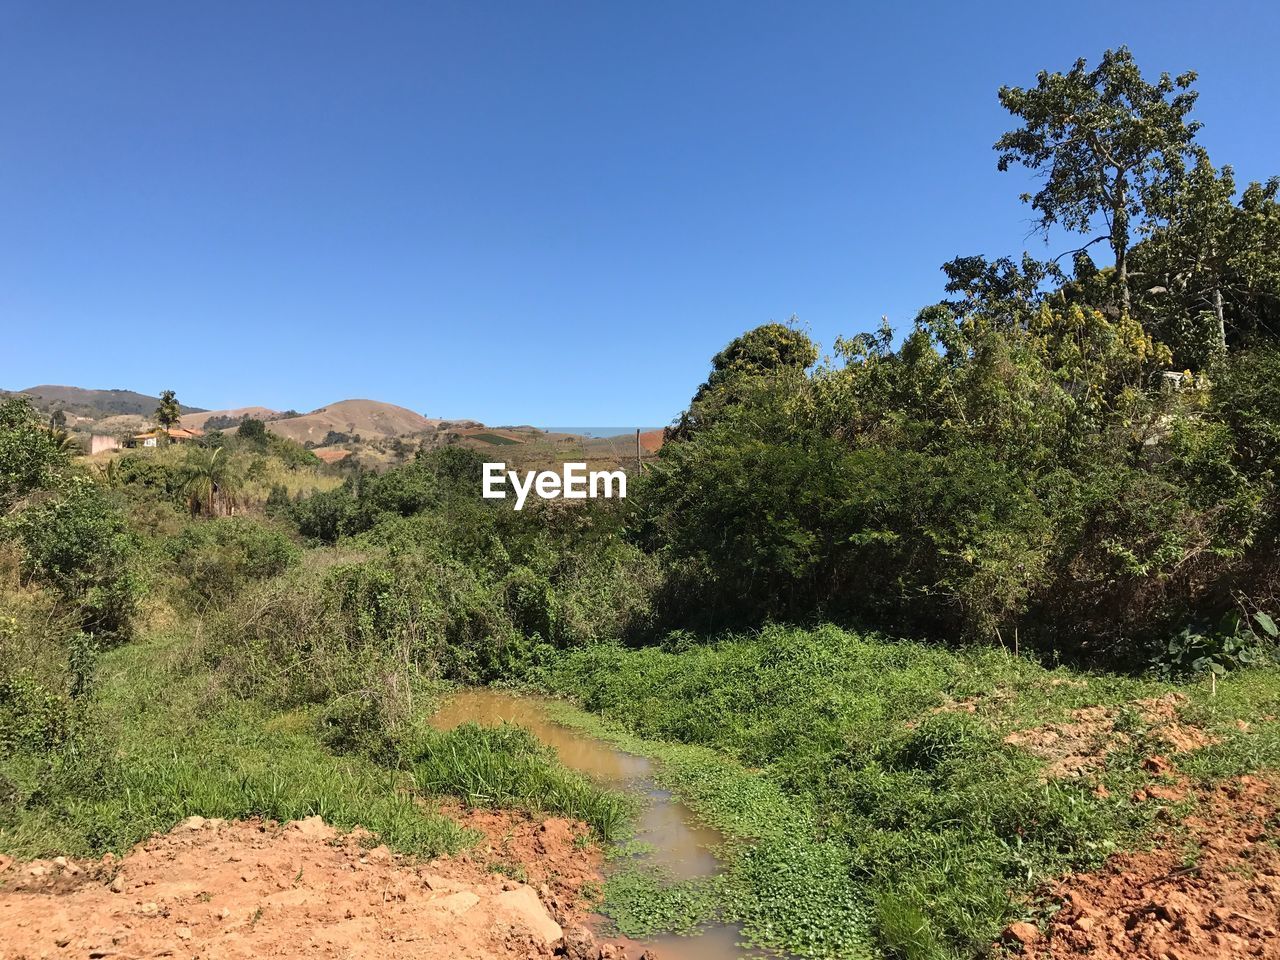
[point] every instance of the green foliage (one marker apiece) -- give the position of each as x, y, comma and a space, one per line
147, 473
757, 356
31, 459
211, 481
278, 502
252, 431
859, 807
219, 558
1232, 643
70, 536
76, 542
643, 903
169, 412
1014, 467
1213, 264
1109, 141
177, 749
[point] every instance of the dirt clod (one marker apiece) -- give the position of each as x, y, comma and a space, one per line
580, 943
1221, 901
1021, 932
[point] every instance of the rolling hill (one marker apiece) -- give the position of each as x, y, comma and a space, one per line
370, 429
95, 404
364, 418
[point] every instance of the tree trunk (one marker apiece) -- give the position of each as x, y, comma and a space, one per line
1222, 320
1120, 237
1122, 278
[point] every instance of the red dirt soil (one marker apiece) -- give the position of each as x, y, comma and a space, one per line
213, 889
651, 440
1176, 902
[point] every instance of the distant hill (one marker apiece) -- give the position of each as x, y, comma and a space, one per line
365, 418
383, 429
95, 404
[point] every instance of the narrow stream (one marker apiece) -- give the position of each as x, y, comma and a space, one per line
680, 844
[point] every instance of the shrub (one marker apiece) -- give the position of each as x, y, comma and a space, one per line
217, 558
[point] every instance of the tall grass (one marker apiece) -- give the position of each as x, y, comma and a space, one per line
169, 744
507, 766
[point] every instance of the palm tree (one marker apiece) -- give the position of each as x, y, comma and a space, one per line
209, 478
63, 442
109, 473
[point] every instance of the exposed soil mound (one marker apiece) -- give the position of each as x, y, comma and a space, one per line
1217, 897
252, 889
1082, 743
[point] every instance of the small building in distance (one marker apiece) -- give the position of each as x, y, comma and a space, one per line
100, 442
176, 435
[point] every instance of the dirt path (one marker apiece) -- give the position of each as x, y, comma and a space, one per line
212, 889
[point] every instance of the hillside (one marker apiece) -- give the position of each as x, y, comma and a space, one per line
365, 418
380, 434
197, 421
95, 404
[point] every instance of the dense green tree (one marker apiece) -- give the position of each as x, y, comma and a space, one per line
31, 457
169, 413
769, 350
253, 431
1211, 264
1109, 143
70, 537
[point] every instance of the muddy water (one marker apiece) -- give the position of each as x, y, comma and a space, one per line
678, 843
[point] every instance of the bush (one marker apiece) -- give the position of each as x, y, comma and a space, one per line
218, 558
74, 539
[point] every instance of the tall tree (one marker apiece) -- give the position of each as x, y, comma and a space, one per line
1213, 263
169, 413
1106, 140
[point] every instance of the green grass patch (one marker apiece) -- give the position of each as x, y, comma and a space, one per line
170, 745
864, 783
507, 766
496, 439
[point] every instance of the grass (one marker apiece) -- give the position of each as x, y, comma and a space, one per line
171, 743
496, 439
506, 766
172, 746
871, 801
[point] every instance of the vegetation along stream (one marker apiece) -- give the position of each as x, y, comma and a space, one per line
667, 833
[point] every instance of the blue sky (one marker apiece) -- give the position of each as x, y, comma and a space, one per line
522, 212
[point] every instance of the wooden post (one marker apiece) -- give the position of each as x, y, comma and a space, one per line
639, 462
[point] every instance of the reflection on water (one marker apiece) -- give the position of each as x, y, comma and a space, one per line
680, 844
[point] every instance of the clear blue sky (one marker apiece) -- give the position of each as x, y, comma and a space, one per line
521, 211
